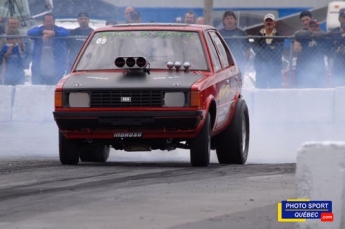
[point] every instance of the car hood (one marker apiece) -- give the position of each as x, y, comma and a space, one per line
154, 80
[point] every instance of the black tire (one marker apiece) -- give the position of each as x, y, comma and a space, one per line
200, 146
99, 153
68, 150
233, 143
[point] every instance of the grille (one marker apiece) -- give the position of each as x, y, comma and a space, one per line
120, 98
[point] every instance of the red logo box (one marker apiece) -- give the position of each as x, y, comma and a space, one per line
326, 217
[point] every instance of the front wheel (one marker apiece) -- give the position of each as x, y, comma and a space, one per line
68, 150
200, 146
233, 143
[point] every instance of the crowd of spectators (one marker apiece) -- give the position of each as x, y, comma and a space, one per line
51, 56
318, 54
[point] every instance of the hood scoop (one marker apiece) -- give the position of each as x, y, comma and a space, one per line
133, 65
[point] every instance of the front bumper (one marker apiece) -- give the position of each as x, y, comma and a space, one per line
157, 121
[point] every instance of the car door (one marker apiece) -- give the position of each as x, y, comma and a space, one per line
228, 78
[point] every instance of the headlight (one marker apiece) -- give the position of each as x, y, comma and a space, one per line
174, 99
79, 99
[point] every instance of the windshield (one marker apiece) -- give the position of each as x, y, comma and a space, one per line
158, 47
14, 8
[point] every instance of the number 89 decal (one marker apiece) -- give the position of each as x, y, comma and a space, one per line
101, 41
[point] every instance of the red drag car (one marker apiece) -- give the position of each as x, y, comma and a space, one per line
142, 87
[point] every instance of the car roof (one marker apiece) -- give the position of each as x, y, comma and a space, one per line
156, 26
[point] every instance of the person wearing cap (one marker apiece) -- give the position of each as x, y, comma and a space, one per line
338, 51
311, 69
49, 52
268, 55
240, 46
78, 36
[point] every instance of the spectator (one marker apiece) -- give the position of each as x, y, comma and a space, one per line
111, 22
128, 11
12, 71
2, 31
135, 16
189, 17
305, 17
240, 47
80, 33
268, 55
49, 53
311, 68
13, 25
338, 51
341, 19
200, 21
338, 55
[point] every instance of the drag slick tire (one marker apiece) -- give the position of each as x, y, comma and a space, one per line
68, 150
232, 144
200, 146
95, 153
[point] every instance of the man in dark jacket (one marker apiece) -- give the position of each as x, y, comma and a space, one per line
311, 66
268, 55
240, 46
49, 52
80, 33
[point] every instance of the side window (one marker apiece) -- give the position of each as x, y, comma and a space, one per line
223, 54
213, 53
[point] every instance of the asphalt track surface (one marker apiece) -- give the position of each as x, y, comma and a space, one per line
41, 193
151, 190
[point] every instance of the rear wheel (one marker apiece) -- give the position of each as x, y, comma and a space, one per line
233, 143
200, 146
99, 153
68, 150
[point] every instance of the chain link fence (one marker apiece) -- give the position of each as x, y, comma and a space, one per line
302, 61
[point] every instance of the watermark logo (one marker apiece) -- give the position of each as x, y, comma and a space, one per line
299, 210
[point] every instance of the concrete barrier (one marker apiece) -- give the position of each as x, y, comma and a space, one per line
6, 96
320, 175
248, 97
33, 103
269, 106
293, 105
339, 104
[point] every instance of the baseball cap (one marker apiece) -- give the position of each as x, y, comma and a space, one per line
83, 14
269, 16
342, 12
